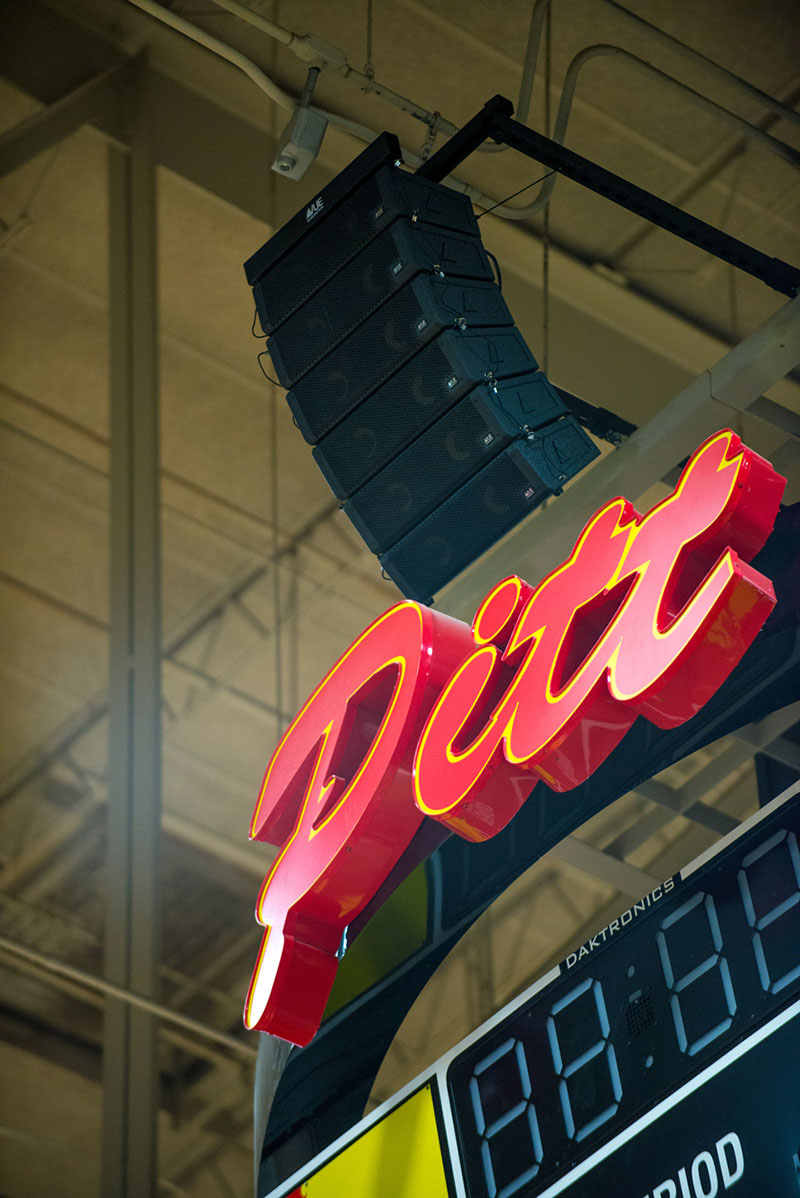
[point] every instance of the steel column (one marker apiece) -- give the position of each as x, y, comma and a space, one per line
130, 1098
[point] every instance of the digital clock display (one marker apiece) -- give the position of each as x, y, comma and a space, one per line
661, 1059
702, 961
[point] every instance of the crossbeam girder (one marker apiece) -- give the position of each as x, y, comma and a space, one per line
86, 104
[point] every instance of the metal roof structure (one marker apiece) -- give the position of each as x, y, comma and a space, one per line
175, 574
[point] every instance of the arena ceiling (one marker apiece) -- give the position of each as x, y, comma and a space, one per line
263, 582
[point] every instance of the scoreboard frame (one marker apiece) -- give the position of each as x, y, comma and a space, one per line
723, 1153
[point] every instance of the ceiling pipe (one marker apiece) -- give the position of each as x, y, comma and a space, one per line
666, 39
787, 152
216, 46
708, 64
315, 50
282, 98
725, 156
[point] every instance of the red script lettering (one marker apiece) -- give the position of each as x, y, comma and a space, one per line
647, 616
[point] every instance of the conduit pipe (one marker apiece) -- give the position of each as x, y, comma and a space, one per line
666, 39
601, 49
285, 100
282, 98
605, 50
315, 50
708, 64
681, 193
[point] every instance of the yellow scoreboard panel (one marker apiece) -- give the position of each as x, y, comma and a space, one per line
400, 1157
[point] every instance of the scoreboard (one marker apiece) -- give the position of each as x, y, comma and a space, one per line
660, 1059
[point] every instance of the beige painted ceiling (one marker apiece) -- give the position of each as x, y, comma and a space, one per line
265, 582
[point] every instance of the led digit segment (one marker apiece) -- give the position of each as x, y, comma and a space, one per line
586, 1010
711, 974
662, 1062
773, 868
500, 1089
715, 957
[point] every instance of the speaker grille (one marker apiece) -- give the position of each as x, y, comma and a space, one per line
481, 512
426, 408
639, 1015
338, 236
431, 469
405, 406
366, 282
384, 342
326, 247
476, 516
391, 418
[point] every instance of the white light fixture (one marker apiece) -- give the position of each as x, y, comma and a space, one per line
300, 141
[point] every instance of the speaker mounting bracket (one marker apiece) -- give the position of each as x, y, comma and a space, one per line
495, 121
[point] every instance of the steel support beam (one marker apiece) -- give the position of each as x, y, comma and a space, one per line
782, 276
672, 801
85, 104
711, 401
130, 1098
22, 956
48, 55
495, 121
599, 864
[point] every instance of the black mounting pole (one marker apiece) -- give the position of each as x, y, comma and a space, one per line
495, 121
604, 424
468, 138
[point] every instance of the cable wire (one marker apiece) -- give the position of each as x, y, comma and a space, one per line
514, 194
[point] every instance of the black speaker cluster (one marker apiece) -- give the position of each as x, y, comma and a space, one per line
428, 414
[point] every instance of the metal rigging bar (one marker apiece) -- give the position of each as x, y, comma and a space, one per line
467, 139
495, 121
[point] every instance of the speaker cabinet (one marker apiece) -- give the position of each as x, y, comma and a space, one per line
384, 342
475, 516
405, 249
421, 391
322, 238
445, 457
428, 414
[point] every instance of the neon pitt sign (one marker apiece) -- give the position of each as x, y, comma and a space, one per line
426, 718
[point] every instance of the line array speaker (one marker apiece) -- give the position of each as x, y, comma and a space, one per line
426, 409
436, 464
407, 248
354, 208
486, 507
420, 392
385, 341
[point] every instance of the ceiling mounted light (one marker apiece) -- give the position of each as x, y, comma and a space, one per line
300, 141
